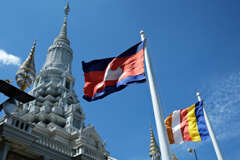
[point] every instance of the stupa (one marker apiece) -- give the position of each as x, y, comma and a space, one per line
52, 126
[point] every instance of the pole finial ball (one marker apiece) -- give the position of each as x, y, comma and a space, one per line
142, 35
198, 96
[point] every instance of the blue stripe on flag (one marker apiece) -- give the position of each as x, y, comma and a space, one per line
119, 86
202, 128
96, 65
133, 50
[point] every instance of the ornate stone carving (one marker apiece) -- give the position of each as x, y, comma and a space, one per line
56, 115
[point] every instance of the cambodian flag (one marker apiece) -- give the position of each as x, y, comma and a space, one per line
105, 76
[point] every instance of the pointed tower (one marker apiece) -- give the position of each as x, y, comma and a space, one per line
52, 126
26, 73
57, 103
154, 152
60, 54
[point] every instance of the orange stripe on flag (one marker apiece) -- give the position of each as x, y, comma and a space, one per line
168, 124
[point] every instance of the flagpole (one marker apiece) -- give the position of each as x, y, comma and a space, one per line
210, 130
161, 130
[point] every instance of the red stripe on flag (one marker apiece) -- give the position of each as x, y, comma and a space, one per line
91, 80
131, 66
94, 76
184, 125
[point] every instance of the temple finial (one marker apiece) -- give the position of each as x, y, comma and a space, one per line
154, 152
63, 33
67, 9
33, 47
26, 73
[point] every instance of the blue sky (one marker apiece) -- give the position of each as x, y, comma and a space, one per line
193, 45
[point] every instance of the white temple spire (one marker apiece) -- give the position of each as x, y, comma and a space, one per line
63, 33
154, 152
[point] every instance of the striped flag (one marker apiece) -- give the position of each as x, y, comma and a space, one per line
108, 75
187, 125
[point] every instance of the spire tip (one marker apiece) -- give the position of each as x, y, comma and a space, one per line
67, 8
63, 32
35, 42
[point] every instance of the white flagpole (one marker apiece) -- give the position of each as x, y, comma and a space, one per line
211, 133
161, 130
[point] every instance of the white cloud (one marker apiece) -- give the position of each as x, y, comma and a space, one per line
8, 59
222, 101
222, 105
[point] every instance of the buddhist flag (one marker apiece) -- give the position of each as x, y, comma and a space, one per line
105, 76
187, 125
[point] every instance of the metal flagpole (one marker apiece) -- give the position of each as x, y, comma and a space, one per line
211, 133
161, 130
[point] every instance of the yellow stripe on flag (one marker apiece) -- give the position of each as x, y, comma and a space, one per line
192, 124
